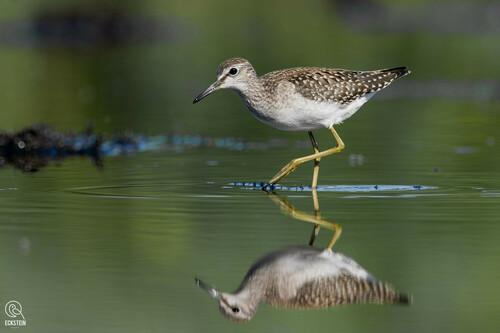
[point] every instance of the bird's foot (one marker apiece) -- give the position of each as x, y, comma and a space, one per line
269, 187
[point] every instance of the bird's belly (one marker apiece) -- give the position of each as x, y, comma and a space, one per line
300, 114
297, 271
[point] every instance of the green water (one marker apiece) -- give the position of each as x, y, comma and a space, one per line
116, 249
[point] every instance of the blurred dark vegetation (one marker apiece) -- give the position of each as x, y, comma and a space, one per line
36, 146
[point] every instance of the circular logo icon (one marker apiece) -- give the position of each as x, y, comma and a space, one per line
13, 309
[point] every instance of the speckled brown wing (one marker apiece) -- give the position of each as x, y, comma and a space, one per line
339, 85
343, 289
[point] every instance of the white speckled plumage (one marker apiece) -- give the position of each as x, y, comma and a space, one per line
303, 98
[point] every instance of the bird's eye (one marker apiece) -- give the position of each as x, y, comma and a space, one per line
235, 310
233, 71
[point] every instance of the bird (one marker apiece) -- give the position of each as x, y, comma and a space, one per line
302, 99
303, 277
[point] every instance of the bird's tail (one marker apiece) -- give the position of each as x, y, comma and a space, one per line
399, 71
378, 292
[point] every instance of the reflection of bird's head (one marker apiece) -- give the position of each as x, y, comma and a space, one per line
237, 307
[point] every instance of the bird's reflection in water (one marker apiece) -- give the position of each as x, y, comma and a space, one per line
304, 277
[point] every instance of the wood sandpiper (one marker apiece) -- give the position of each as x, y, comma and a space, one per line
302, 99
303, 277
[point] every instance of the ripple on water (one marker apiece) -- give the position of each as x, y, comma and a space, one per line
149, 191
335, 188
115, 192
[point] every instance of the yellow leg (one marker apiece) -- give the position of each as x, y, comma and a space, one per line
287, 169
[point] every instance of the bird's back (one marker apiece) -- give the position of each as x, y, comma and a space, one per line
340, 290
334, 85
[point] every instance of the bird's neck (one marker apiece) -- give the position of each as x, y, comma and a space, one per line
252, 289
256, 97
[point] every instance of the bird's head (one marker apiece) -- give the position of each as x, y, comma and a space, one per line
234, 73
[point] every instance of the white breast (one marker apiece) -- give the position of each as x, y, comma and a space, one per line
295, 270
301, 114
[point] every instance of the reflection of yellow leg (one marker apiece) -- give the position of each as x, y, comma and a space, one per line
287, 169
317, 214
336, 235
314, 234
288, 209
316, 161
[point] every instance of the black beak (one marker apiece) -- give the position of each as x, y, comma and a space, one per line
214, 293
213, 87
